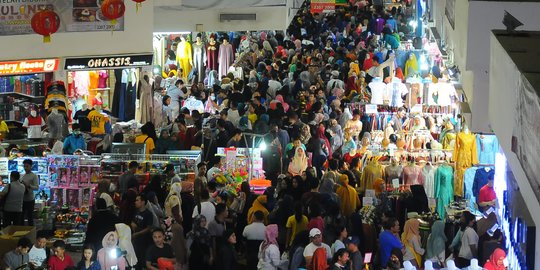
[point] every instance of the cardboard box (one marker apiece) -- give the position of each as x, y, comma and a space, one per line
10, 235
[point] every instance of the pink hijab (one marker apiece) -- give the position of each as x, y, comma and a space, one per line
270, 236
320, 133
285, 105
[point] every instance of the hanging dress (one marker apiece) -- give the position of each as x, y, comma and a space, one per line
225, 59
184, 57
465, 155
429, 180
145, 100
199, 60
212, 51
444, 191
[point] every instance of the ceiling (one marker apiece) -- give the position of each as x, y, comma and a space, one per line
216, 4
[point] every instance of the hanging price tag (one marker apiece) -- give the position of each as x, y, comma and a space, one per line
367, 201
395, 183
371, 109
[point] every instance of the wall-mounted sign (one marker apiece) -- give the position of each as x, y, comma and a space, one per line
108, 62
323, 6
75, 16
28, 66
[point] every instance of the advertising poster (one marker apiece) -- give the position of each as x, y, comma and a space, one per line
75, 16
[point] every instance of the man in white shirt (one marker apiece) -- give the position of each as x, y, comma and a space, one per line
176, 94
315, 236
31, 183
255, 230
39, 253
273, 86
232, 114
205, 208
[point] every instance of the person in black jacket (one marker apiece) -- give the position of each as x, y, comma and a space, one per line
102, 222
227, 259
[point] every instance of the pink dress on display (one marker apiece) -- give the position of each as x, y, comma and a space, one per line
412, 175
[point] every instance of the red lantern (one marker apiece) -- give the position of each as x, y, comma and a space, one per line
113, 9
139, 3
45, 23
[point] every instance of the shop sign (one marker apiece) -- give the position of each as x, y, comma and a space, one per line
341, 2
323, 6
108, 62
28, 66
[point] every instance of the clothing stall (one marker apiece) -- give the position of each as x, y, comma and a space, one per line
22, 86
112, 82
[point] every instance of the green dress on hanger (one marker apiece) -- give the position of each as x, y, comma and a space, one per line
444, 189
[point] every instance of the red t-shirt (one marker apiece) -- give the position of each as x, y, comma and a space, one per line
486, 194
56, 264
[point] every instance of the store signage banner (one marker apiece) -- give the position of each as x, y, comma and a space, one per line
323, 6
28, 66
109, 61
341, 2
526, 132
75, 16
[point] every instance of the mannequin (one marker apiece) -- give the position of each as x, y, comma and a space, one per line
57, 124
102, 81
448, 136
225, 57
378, 88
99, 121
145, 100
81, 117
33, 123
393, 171
212, 50
428, 172
411, 66
97, 100
396, 89
415, 95
412, 174
184, 56
199, 57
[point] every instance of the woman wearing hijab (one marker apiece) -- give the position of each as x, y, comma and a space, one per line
173, 209
258, 205
436, 245
348, 197
496, 260
269, 255
321, 134
110, 243
228, 258
299, 162
200, 245
412, 242
378, 186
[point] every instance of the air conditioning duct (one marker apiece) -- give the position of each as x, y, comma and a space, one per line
237, 17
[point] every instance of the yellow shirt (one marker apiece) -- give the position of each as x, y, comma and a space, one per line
295, 226
98, 121
149, 143
4, 127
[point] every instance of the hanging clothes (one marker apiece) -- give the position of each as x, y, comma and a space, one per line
199, 60
58, 127
411, 66
465, 156
212, 53
225, 58
120, 76
145, 100
412, 175
82, 82
392, 172
184, 57
428, 172
468, 181
371, 172
488, 146
131, 95
102, 81
444, 191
